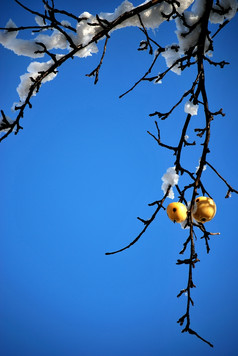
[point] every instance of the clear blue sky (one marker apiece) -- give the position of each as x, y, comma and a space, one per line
74, 181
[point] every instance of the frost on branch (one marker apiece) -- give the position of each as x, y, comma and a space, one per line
171, 55
223, 10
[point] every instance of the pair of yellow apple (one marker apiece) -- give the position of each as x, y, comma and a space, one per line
205, 210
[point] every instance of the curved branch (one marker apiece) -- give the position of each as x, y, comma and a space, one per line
146, 222
145, 75
230, 189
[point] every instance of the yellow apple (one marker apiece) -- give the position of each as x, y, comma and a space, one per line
177, 212
204, 210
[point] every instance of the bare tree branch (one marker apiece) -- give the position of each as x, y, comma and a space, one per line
95, 72
145, 222
230, 189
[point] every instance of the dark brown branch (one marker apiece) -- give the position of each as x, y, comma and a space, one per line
180, 145
52, 11
190, 283
159, 141
63, 12
145, 222
54, 23
192, 332
201, 89
162, 75
20, 28
220, 64
200, 132
163, 116
143, 29
144, 76
44, 50
206, 235
220, 27
28, 9
95, 72
185, 246
230, 189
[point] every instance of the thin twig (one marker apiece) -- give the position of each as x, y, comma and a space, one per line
144, 76
95, 72
230, 188
145, 222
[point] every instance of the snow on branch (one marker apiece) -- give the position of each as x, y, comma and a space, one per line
170, 179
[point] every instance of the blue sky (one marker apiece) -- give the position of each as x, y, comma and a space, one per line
73, 182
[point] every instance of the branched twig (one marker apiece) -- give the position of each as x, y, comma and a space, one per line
145, 222
206, 236
147, 42
185, 246
44, 50
220, 27
220, 64
45, 17
95, 72
230, 188
63, 12
178, 63
201, 89
144, 76
157, 139
164, 116
74, 49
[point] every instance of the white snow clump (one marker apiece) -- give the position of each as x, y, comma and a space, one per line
187, 39
229, 5
171, 55
18, 45
191, 108
30, 48
39, 20
33, 71
65, 23
170, 178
